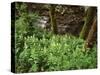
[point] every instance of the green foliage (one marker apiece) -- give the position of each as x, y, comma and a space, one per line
56, 53
25, 25
38, 50
21, 9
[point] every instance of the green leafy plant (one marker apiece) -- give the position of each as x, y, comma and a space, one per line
57, 53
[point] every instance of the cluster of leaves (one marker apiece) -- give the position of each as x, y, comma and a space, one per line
25, 25
55, 53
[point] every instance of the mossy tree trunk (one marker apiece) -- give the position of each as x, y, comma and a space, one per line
90, 39
88, 22
53, 19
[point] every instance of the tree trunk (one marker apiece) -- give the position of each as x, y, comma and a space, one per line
88, 22
90, 39
53, 19
29, 7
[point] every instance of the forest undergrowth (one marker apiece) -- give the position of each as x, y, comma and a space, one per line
44, 51
40, 50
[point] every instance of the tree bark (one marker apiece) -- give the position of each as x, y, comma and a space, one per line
53, 19
90, 13
90, 39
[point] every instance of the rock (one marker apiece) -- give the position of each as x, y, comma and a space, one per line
42, 21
